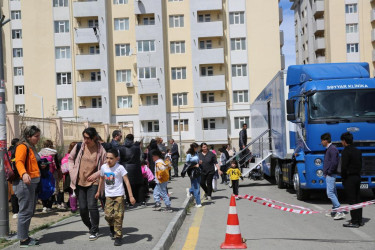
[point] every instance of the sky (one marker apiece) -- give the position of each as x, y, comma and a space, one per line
288, 27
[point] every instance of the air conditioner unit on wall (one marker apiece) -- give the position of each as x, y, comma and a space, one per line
129, 84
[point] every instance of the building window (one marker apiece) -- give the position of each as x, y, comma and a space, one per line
95, 76
121, 23
208, 124
148, 21
208, 97
204, 18
350, 8
207, 71
93, 23
64, 104
64, 78
352, 28
94, 50
239, 121
18, 71
147, 73
124, 102
122, 49
177, 47
241, 96
152, 126
123, 75
184, 125
16, 14
20, 90
352, 48
238, 43
180, 99
16, 34
152, 100
20, 108
60, 3
18, 52
236, 18
120, 1
146, 46
96, 102
178, 73
176, 21
62, 52
239, 70
207, 44
61, 26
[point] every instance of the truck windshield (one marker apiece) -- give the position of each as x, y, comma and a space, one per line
342, 104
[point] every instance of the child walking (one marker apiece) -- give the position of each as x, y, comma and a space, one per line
113, 174
161, 179
234, 175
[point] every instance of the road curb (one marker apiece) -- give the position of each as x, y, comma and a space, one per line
168, 237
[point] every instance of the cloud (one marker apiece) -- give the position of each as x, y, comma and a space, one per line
289, 36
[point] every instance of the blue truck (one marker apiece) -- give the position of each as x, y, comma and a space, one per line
290, 116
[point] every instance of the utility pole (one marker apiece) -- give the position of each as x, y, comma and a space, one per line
4, 213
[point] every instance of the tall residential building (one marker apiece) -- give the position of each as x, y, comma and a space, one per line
334, 31
164, 67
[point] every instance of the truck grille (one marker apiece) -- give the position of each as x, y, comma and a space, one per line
368, 166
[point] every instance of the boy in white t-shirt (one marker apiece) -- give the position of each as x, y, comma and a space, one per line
113, 175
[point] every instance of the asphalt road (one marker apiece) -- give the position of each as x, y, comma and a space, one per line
268, 228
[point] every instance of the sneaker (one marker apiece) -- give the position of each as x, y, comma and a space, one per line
118, 242
157, 206
15, 216
352, 225
29, 242
339, 216
204, 197
143, 204
168, 209
209, 198
112, 232
188, 194
198, 205
227, 183
44, 210
93, 236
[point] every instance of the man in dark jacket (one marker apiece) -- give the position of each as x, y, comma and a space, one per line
331, 161
116, 139
174, 155
243, 136
130, 159
351, 164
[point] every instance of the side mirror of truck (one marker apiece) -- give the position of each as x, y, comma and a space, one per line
291, 117
290, 106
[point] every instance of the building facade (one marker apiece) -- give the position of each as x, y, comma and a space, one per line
167, 68
334, 31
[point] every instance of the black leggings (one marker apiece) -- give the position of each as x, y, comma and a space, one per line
206, 183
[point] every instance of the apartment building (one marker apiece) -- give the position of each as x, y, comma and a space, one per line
334, 31
166, 68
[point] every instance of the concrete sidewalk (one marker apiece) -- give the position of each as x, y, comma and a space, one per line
142, 227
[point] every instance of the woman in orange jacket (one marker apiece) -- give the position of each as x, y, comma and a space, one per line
25, 187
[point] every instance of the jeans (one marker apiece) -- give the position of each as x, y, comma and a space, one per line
196, 189
27, 199
88, 207
206, 183
175, 165
352, 188
331, 191
160, 190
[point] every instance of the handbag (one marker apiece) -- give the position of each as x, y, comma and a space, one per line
195, 172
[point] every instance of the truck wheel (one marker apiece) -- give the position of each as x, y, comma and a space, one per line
302, 194
279, 176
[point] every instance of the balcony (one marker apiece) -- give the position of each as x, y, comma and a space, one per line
319, 43
372, 15
318, 7
281, 17
150, 112
210, 83
320, 59
215, 109
282, 58
215, 136
148, 86
206, 5
86, 8
89, 88
207, 56
209, 29
281, 38
319, 25
84, 62
85, 35
146, 6
373, 35
91, 114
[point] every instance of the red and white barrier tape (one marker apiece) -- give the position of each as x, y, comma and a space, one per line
299, 209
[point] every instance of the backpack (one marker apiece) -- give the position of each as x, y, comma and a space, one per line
11, 172
65, 164
162, 172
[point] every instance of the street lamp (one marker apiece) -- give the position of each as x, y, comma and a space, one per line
42, 109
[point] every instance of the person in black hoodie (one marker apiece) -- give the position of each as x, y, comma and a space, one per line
351, 164
130, 159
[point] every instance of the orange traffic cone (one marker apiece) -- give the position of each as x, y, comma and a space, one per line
233, 238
